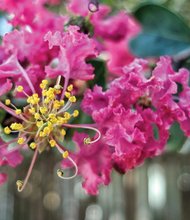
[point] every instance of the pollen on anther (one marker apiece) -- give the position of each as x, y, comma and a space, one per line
87, 140
21, 140
72, 99
65, 154
75, 113
18, 111
52, 143
63, 132
7, 102
19, 184
70, 88
19, 89
33, 145
7, 130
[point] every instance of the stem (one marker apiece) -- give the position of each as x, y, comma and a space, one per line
60, 171
85, 126
20, 189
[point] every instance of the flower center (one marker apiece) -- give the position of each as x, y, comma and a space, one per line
43, 118
43, 122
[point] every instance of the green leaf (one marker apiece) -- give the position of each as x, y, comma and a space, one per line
100, 73
177, 138
164, 33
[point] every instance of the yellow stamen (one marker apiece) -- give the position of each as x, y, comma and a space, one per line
75, 113
16, 126
21, 140
70, 88
7, 130
19, 89
67, 115
65, 154
18, 111
43, 110
37, 116
67, 94
56, 104
52, 143
87, 140
19, 184
72, 99
32, 110
33, 145
7, 102
39, 124
63, 132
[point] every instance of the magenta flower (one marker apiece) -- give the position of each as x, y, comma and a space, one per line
74, 49
32, 14
93, 162
135, 108
41, 125
115, 31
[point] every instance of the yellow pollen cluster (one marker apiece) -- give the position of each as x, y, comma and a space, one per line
44, 117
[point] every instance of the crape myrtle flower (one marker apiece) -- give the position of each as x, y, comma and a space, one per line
93, 161
74, 49
33, 14
41, 125
135, 114
58, 57
112, 33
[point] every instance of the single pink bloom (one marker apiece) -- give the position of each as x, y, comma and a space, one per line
75, 49
93, 161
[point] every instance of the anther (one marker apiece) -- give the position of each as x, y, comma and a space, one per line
52, 143
67, 94
70, 88
75, 113
21, 140
72, 99
65, 154
18, 111
60, 173
33, 145
87, 140
7, 102
7, 130
19, 89
19, 184
63, 132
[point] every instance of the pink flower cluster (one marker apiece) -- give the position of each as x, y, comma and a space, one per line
135, 114
41, 48
40, 59
112, 33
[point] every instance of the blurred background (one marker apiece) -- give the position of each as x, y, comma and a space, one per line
158, 190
